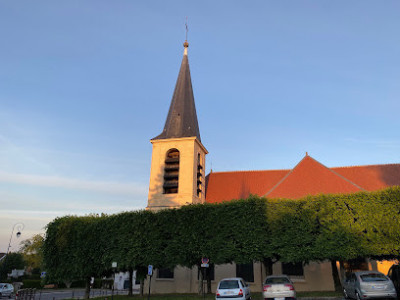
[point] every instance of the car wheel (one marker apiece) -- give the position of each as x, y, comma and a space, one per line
345, 294
358, 296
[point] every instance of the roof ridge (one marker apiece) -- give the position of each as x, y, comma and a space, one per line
341, 176
374, 165
248, 171
329, 169
284, 177
268, 170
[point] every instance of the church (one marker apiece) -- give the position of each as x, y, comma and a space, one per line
178, 178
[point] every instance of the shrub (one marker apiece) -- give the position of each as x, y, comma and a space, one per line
32, 284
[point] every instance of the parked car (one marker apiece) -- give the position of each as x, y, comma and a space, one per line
278, 287
6, 289
394, 275
368, 285
232, 288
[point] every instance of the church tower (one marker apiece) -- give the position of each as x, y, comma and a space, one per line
177, 175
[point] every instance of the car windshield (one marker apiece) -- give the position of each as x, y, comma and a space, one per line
274, 280
229, 284
373, 277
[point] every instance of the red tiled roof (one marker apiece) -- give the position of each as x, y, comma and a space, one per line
374, 177
309, 177
225, 186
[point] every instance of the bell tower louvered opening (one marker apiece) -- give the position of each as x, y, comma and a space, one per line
199, 175
171, 172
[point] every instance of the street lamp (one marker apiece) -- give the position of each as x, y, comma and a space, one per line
20, 227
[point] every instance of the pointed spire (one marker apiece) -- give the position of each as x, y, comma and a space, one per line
182, 118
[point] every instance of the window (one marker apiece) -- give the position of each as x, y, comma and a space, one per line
228, 284
165, 273
358, 264
171, 172
246, 271
199, 175
293, 269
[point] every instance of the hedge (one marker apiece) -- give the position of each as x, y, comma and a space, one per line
334, 227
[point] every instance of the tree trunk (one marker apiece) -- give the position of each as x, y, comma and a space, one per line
268, 266
87, 288
130, 270
342, 270
208, 272
335, 276
141, 287
200, 275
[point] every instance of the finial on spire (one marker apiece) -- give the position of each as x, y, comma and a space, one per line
306, 153
186, 44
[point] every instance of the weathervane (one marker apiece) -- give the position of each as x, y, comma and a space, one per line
187, 29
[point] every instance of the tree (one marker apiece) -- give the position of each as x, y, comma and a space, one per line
32, 251
11, 262
71, 249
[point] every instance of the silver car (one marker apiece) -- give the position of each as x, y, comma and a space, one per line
6, 289
232, 289
278, 287
368, 285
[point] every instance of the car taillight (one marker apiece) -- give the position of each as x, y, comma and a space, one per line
218, 294
265, 287
290, 287
240, 292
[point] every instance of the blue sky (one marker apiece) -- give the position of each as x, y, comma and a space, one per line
84, 86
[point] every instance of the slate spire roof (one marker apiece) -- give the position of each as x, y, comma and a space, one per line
182, 118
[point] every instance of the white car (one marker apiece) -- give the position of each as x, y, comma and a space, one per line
278, 287
232, 288
6, 289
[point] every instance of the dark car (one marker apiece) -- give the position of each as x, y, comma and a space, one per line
394, 275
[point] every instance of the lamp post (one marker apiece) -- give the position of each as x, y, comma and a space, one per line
20, 227
113, 267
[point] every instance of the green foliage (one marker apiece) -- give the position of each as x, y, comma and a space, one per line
31, 249
334, 227
11, 262
32, 284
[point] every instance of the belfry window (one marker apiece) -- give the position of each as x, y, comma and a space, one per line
199, 175
171, 172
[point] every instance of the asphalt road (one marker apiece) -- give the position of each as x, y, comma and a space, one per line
79, 293
69, 294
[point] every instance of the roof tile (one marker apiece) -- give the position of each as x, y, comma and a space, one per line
309, 177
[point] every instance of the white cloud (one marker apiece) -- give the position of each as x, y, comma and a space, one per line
129, 189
